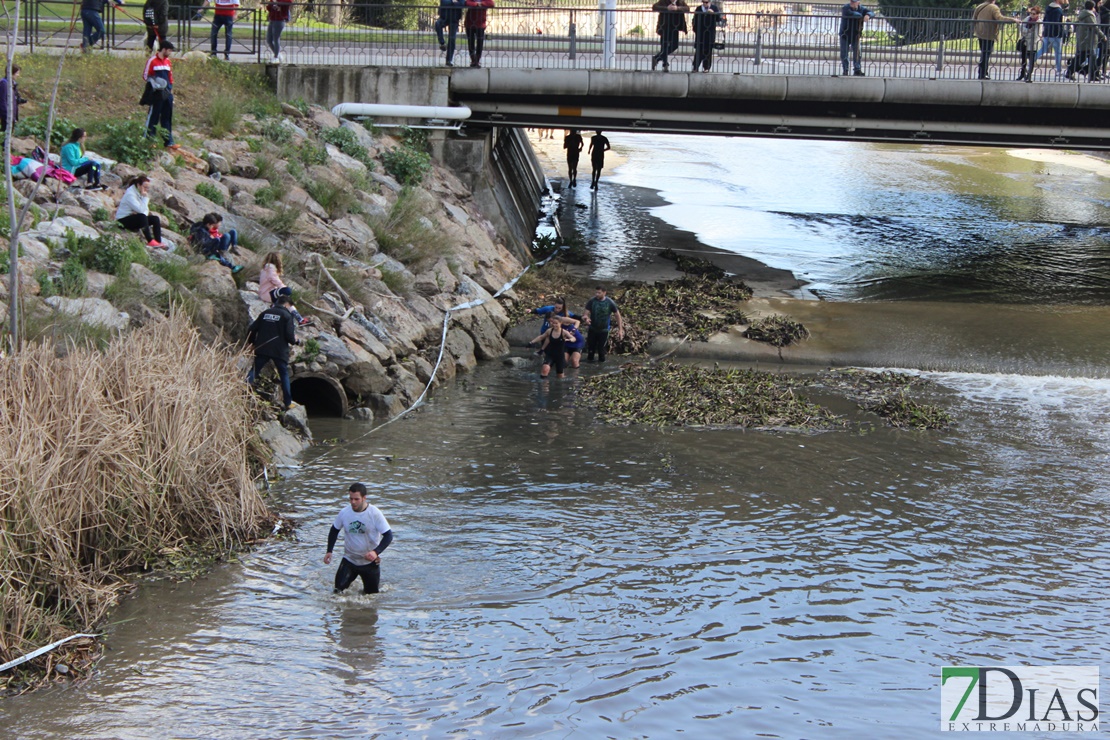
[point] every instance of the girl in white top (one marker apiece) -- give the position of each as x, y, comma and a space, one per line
133, 213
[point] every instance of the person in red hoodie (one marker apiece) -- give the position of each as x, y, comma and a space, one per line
277, 12
475, 25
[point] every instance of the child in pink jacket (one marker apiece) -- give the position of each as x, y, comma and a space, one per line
270, 286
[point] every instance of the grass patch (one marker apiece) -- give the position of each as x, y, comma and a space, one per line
283, 221
273, 130
177, 273
395, 280
403, 235
111, 253
211, 192
345, 140
336, 200
126, 141
223, 115
268, 195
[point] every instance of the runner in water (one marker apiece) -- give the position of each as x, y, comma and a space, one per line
366, 535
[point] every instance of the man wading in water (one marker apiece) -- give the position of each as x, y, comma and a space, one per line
367, 534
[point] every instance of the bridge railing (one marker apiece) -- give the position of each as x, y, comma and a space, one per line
752, 38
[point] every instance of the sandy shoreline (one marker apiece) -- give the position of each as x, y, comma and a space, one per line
765, 281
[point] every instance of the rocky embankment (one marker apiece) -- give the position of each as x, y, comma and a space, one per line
375, 262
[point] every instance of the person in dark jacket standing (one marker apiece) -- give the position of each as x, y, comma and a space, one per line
10, 89
277, 13
852, 16
156, 16
707, 16
271, 334
672, 19
450, 13
1053, 35
476, 28
92, 22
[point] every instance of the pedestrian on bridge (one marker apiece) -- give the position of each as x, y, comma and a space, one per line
988, 19
1053, 35
1087, 38
1027, 44
223, 17
672, 19
156, 17
475, 25
92, 22
852, 17
707, 16
277, 13
450, 13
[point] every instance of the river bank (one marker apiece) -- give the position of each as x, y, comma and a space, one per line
625, 239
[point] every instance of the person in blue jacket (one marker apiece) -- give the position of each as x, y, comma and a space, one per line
75, 162
450, 13
852, 16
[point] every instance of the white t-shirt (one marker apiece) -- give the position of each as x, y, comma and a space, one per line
362, 531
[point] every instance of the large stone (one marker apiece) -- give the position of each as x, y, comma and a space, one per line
296, 420
291, 110
187, 181
367, 377
91, 311
386, 181
230, 149
405, 383
345, 161
245, 167
361, 413
236, 184
361, 134
150, 284
336, 350
189, 207
438, 279
285, 445
54, 232
387, 405
461, 347
299, 197
98, 282
319, 172
218, 163
92, 201
297, 131
353, 236
457, 213
322, 117
215, 280
364, 338
33, 249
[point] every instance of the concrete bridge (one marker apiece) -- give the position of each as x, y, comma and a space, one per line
910, 110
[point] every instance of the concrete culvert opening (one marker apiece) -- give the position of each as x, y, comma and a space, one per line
321, 395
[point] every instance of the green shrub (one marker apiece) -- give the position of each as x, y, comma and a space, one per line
394, 280
176, 273
223, 115
267, 170
211, 192
73, 281
407, 165
273, 130
102, 214
34, 126
283, 220
126, 141
403, 234
345, 140
5, 259
336, 200
46, 283
414, 138
309, 352
311, 154
111, 253
267, 196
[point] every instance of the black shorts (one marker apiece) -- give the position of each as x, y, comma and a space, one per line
557, 360
348, 572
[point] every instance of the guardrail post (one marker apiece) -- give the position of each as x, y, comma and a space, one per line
758, 43
610, 46
940, 54
572, 32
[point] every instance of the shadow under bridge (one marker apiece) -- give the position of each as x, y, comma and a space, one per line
970, 112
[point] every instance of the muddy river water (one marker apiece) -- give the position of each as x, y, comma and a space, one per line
552, 576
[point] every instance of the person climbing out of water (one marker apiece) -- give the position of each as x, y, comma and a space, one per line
270, 285
366, 535
570, 320
573, 144
598, 146
271, 334
554, 347
600, 310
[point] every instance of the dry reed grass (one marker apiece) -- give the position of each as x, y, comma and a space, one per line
109, 460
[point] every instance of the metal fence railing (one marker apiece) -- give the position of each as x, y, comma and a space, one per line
753, 37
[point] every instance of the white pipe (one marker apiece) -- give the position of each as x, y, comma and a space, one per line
379, 110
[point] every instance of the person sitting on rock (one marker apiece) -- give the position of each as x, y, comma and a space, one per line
213, 244
270, 285
134, 214
75, 161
